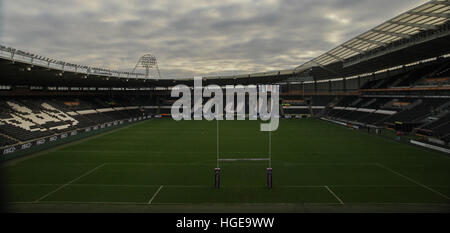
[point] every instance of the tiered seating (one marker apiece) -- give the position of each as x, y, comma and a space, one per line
439, 127
138, 112
446, 138
289, 111
435, 124
354, 115
374, 103
321, 100
338, 111
26, 119
116, 114
373, 118
416, 75
98, 118
438, 78
4, 141
419, 112
161, 111
296, 107
443, 130
20, 128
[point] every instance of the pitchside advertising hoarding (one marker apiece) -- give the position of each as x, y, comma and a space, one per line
58, 137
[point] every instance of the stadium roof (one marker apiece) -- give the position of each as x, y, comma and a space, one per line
425, 17
418, 34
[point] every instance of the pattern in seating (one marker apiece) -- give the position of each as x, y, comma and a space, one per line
26, 119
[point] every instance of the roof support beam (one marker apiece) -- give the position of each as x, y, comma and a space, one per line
435, 2
323, 67
353, 49
372, 41
392, 34
424, 26
439, 15
335, 57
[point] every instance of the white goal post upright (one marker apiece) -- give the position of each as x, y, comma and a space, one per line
218, 159
217, 169
270, 149
217, 142
269, 169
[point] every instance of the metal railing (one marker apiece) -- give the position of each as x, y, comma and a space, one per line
16, 55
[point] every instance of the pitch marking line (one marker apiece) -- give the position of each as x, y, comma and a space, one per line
156, 193
243, 159
332, 193
209, 186
242, 203
415, 182
70, 182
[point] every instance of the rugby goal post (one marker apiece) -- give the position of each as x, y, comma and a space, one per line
217, 170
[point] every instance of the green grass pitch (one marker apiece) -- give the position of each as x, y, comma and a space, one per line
162, 162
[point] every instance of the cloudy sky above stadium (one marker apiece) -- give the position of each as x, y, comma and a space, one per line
196, 37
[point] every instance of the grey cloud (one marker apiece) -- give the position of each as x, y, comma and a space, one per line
190, 37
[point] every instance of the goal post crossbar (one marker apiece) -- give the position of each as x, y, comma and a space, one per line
244, 159
218, 160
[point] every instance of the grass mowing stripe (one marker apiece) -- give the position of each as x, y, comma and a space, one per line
329, 190
141, 159
70, 182
58, 147
415, 182
156, 193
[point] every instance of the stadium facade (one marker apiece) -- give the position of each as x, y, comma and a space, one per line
394, 77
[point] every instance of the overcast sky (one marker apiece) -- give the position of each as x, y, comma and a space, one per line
196, 37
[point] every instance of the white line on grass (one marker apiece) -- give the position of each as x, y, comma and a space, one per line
244, 159
156, 193
70, 182
329, 190
157, 152
243, 203
229, 186
412, 180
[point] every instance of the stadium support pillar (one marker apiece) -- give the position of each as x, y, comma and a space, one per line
315, 86
303, 89
344, 84
217, 178
269, 178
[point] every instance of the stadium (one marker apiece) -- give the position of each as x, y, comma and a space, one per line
363, 127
